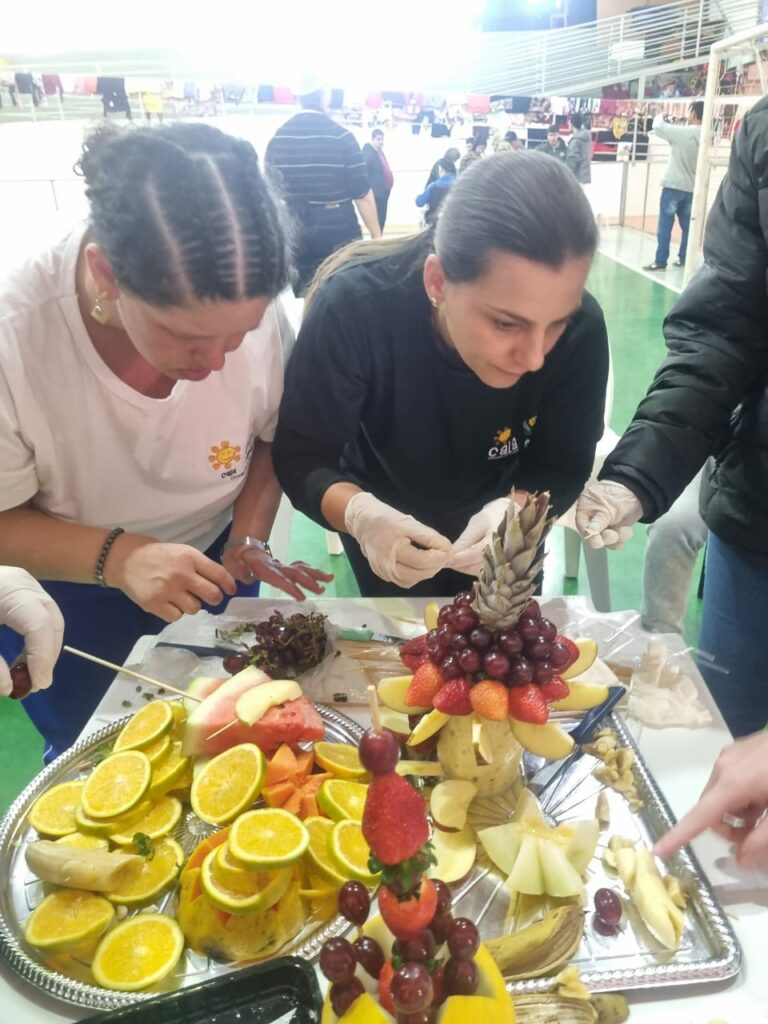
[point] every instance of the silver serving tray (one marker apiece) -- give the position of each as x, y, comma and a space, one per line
21, 891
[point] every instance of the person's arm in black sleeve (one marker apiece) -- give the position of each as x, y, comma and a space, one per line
716, 338
326, 385
569, 421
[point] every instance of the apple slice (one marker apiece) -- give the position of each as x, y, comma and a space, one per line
395, 721
548, 740
582, 697
425, 768
587, 654
431, 611
450, 802
256, 702
455, 852
392, 692
431, 723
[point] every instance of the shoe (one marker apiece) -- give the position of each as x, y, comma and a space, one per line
679, 262
655, 266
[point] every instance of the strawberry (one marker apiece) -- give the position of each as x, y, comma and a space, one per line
406, 917
414, 652
528, 704
555, 689
394, 819
427, 680
490, 699
572, 649
385, 980
453, 698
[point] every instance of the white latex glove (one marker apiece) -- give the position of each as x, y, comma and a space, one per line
605, 514
26, 608
469, 547
388, 540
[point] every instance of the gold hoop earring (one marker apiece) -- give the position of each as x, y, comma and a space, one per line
98, 310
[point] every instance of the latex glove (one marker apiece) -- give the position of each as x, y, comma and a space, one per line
389, 540
249, 563
26, 608
469, 547
605, 514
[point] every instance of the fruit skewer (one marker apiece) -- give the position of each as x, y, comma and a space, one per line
121, 670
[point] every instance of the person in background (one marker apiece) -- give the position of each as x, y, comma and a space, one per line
317, 165
29, 611
434, 374
433, 195
379, 173
452, 155
508, 143
473, 154
710, 398
141, 369
554, 146
578, 159
678, 183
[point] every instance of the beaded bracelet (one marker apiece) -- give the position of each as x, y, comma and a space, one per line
98, 575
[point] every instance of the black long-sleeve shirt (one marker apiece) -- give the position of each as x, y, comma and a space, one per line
373, 396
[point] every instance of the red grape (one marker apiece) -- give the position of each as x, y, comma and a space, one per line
338, 961
444, 896
439, 926
379, 751
538, 649
548, 630
496, 664
520, 671
601, 927
444, 635
460, 977
342, 996
354, 902
459, 642
464, 619
543, 672
470, 660
481, 638
532, 611
559, 655
411, 987
419, 950
369, 955
234, 663
21, 681
445, 615
426, 1016
450, 667
464, 599
608, 906
528, 629
463, 939
510, 642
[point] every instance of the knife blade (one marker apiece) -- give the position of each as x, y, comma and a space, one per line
361, 636
201, 650
583, 733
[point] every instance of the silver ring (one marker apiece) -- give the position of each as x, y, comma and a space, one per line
733, 820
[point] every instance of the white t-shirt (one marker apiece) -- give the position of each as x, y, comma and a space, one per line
84, 447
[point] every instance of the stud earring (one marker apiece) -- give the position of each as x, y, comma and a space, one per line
98, 310
434, 301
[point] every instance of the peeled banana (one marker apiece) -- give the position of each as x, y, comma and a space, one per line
542, 947
93, 870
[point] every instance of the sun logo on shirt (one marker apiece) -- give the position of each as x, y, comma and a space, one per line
223, 455
503, 435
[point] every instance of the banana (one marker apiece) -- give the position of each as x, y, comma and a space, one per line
611, 1008
655, 905
541, 948
548, 1008
94, 870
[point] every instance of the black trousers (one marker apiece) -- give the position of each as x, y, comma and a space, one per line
322, 231
382, 202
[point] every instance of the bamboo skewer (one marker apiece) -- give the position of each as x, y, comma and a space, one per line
129, 672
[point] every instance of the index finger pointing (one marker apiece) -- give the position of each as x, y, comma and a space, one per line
707, 813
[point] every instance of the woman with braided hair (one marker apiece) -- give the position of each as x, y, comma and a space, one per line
141, 369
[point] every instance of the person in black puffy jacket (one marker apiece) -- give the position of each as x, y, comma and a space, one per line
710, 397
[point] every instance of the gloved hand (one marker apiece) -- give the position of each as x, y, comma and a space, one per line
389, 540
468, 548
605, 514
26, 608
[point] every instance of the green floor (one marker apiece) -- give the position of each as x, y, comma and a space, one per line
634, 308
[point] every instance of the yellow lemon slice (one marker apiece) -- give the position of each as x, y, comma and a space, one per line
350, 852
67, 919
268, 838
341, 799
168, 773
156, 823
259, 890
342, 759
83, 842
116, 786
228, 784
105, 828
159, 749
53, 813
179, 718
319, 849
145, 726
159, 872
138, 952
228, 872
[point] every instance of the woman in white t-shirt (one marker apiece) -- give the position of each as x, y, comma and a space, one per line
141, 369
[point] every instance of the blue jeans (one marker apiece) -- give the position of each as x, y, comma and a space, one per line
674, 203
733, 631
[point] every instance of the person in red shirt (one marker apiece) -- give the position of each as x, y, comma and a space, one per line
379, 173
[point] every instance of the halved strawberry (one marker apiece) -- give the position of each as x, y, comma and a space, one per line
555, 689
394, 819
414, 652
405, 918
427, 680
528, 704
453, 698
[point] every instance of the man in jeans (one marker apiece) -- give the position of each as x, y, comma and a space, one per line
677, 183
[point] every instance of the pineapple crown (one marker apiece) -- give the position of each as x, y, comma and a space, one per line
512, 561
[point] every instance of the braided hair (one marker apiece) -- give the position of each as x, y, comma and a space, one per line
184, 214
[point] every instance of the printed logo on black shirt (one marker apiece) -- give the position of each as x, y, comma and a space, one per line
504, 444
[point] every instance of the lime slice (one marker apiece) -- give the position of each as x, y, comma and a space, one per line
116, 786
257, 890
145, 726
159, 872
319, 849
138, 952
350, 852
53, 813
341, 799
341, 759
166, 774
67, 919
228, 784
268, 838
159, 821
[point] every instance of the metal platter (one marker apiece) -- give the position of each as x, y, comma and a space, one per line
21, 892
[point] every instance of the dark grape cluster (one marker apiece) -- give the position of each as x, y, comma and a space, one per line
529, 652
608, 912
283, 648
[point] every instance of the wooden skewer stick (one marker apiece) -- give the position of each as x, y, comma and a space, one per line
235, 721
129, 672
373, 701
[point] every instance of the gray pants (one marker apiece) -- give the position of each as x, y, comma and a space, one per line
672, 544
